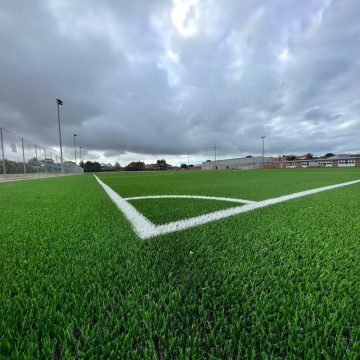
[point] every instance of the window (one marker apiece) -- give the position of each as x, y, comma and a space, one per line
326, 163
347, 162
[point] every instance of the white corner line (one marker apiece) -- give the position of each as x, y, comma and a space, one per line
191, 197
145, 229
141, 224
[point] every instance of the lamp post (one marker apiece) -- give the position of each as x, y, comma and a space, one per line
215, 156
263, 138
59, 102
75, 149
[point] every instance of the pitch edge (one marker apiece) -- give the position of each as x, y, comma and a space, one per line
146, 229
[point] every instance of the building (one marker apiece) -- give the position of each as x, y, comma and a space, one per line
342, 160
258, 162
250, 162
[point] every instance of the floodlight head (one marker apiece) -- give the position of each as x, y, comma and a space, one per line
75, 135
59, 102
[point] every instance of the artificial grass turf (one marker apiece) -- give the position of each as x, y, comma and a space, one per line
249, 185
162, 211
279, 282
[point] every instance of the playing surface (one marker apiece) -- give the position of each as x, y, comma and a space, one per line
280, 281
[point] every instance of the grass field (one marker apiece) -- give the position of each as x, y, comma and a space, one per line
277, 282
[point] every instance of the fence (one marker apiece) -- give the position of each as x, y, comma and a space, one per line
21, 158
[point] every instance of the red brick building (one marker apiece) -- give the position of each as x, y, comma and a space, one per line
343, 160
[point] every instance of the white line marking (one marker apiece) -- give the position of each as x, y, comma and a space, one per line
141, 224
191, 197
145, 229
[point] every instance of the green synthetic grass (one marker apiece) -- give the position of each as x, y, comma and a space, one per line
162, 211
280, 282
249, 185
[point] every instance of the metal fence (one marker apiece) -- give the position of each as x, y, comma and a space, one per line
22, 158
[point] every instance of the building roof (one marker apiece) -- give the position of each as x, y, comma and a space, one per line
336, 157
344, 156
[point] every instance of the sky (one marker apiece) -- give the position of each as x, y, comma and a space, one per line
153, 79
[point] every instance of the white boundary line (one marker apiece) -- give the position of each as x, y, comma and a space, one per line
146, 229
191, 197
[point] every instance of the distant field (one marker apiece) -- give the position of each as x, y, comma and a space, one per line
276, 282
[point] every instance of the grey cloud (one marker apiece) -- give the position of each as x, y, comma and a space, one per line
132, 84
317, 115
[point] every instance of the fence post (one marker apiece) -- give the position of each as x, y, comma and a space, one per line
2, 150
45, 161
37, 163
22, 143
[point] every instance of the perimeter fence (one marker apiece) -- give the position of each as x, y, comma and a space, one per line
21, 158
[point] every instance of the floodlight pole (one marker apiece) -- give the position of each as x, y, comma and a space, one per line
215, 156
188, 160
59, 102
75, 152
2, 150
263, 138
80, 154
75, 147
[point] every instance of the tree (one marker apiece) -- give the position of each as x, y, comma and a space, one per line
183, 166
92, 166
249, 156
309, 156
328, 155
135, 166
291, 157
117, 167
14, 167
87, 166
106, 167
162, 165
33, 161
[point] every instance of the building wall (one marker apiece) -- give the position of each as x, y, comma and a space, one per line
256, 163
253, 162
274, 165
208, 165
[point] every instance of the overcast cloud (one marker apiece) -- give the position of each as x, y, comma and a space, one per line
149, 79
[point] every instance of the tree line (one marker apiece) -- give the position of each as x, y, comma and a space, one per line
95, 166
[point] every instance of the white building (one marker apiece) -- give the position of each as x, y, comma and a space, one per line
251, 162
